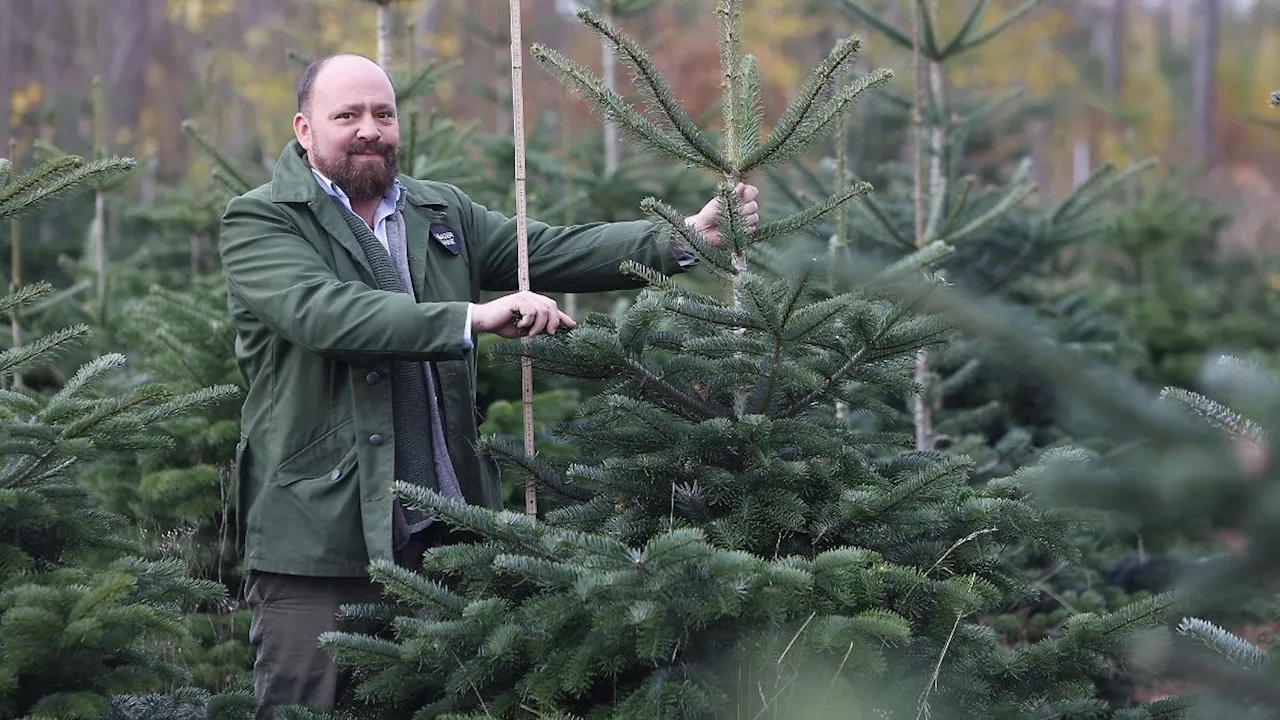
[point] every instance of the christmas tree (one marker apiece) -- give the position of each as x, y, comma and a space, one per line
84, 616
724, 545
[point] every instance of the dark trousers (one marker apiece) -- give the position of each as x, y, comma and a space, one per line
289, 614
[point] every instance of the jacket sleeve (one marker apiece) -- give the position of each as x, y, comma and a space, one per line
284, 282
574, 258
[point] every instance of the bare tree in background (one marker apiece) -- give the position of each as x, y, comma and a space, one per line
1208, 35
1117, 22
7, 41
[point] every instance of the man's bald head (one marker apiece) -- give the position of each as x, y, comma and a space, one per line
347, 61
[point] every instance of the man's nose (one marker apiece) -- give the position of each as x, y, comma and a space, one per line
368, 129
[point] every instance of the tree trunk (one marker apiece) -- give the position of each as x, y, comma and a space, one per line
384, 34
1116, 26
1206, 80
1180, 22
610, 76
1081, 162
928, 80
7, 85
15, 259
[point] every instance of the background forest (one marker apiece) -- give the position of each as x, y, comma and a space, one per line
981, 431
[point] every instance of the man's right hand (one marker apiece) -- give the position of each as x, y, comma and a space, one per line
537, 313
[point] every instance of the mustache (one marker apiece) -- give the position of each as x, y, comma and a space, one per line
377, 147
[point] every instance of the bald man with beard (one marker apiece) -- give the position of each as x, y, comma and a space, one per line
356, 295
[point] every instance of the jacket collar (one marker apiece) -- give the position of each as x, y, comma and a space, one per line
293, 181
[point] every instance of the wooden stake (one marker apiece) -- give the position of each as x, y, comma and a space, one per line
522, 240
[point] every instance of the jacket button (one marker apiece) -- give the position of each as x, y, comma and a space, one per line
372, 378
375, 439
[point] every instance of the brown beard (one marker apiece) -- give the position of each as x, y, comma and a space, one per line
362, 179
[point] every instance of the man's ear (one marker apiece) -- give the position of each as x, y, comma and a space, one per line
302, 131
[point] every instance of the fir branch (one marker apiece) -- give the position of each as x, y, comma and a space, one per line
958, 207
1225, 643
861, 13
810, 214
971, 21
717, 257
797, 129
824, 118
983, 111
908, 268
224, 171
508, 452
654, 86
1014, 197
929, 32
656, 280
698, 410
1216, 413
713, 314
351, 648
32, 180
74, 180
919, 482
184, 404
114, 408
85, 377
24, 296
871, 208
763, 301
763, 398
43, 348
1098, 184
17, 402
425, 77
671, 430
588, 513
804, 403
407, 585
616, 110
514, 529
1000, 26
809, 318
748, 107
547, 573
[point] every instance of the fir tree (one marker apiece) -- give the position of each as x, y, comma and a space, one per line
1010, 242
1183, 462
725, 545
83, 617
1002, 243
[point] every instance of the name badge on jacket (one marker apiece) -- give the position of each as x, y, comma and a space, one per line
445, 235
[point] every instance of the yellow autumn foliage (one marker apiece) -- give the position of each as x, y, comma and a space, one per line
1023, 55
24, 100
194, 15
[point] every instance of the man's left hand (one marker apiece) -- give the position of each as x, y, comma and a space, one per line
706, 222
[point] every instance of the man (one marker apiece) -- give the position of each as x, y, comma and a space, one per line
355, 293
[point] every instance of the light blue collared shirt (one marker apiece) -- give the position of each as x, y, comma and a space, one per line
386, 209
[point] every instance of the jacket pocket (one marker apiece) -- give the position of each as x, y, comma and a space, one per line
330, 456
340, 470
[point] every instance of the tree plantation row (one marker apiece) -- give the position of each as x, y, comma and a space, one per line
903, 435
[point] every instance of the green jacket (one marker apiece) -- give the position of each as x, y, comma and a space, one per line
315, 340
